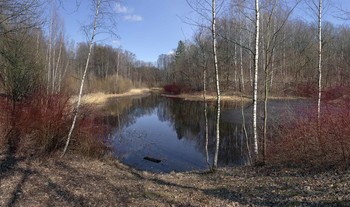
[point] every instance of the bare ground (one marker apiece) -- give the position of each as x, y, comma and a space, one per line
77, 181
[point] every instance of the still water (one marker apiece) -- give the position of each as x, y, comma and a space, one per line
171, 131
170, 134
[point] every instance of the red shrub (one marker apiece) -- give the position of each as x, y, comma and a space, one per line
40, 126
335, 92
304, 143
300, 89
5, 107
172, 89
90, 137
306, 90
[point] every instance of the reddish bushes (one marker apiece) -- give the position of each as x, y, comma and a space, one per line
90, 136
172, 89
40, 126
335, 92
301, 89
303, 143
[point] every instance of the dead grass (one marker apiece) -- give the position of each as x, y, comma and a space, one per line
101, 98
227, 97
210, 97
77, 181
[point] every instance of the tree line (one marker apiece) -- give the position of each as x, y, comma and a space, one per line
36, 55
228, 50
288, 52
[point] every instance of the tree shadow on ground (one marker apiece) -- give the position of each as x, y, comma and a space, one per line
266, 197
57, 192
8, 160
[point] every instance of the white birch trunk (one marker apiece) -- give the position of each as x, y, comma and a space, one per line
213, 30
255, 81
319, 62
83, 78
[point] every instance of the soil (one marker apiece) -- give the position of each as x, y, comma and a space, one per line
79, 181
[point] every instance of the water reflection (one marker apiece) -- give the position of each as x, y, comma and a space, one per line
171, 130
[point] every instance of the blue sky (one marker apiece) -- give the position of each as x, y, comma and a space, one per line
149, 28
146, 28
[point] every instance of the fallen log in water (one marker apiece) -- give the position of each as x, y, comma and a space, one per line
152, 159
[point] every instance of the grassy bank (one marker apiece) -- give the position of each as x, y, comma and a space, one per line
101, 98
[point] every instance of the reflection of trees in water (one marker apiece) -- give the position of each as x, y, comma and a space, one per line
185, 116
187, 119
124, 112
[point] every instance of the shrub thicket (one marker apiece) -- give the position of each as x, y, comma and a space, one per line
305, 142
172, 89
39, 126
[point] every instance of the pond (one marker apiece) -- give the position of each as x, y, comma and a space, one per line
160, 134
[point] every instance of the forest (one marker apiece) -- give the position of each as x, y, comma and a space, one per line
38, 61
254, 52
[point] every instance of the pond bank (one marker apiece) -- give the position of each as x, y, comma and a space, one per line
101, 98
198, 96
78, 181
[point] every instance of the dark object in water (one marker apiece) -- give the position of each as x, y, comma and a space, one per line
152, 159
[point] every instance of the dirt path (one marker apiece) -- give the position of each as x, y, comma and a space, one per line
77, 181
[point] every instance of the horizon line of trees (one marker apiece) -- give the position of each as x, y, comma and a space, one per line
288, 52
35, 55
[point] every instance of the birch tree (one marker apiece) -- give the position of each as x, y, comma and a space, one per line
273, 36
96, 24
319, 61
217, 82
255, 80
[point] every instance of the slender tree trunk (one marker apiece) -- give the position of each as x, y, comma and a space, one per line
266, 95
319, 62
241, 64
62, 76
245, 132
235, 67
49, 60
250, 65
206, 115
255, 81
56, 73
76, 110
213, 30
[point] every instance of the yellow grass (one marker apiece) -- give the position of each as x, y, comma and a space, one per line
101, 98
199, 97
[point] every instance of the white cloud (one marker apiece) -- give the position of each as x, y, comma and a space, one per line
133, 18
116, 42
127, 13
120, 9
171, 52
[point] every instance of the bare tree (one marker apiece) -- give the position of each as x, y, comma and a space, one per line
91, 41
272, 38
18, 15
319, 61
204, 64
255, 80
217, 82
